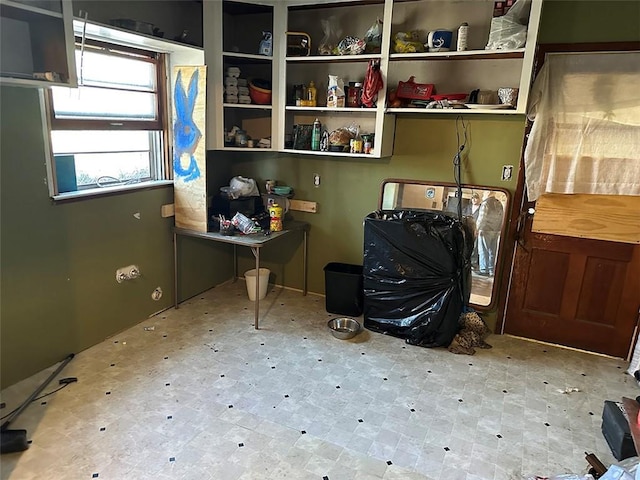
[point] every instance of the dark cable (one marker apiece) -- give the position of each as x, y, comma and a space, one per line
38, 398
457, 160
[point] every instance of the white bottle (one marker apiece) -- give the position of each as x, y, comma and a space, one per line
463, 31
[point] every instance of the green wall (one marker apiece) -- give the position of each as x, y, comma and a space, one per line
57, 279
577, 21
58, 289
349, 189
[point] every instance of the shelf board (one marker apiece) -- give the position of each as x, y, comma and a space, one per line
248, 56
120, 36
464, 55
453, 111
334, 58
29, 8
247, 105
329, 154
331, 109
8, 80
297, 5
245, 149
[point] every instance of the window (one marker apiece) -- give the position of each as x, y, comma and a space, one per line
110, 130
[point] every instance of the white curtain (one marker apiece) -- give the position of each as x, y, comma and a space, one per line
585, 137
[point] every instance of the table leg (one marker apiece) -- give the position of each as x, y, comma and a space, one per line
304, 262
235, 263
256, 253
175, 270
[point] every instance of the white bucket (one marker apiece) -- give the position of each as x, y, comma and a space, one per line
250, 277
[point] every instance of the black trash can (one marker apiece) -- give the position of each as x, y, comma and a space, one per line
343, 288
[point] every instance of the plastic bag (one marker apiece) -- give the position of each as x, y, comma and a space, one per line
417, 274
510, 31
373, 37
407, 42
332, 33
243, 187
351, 46
343, 135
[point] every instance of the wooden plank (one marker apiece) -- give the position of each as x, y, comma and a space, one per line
613, 218
167, 210
303, 206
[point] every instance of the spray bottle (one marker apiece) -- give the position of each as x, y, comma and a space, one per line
316, 133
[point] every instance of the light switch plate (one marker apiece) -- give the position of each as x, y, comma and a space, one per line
507, 172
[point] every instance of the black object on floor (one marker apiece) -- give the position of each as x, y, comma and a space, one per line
417, 275
615, 429
16, 440
343, 288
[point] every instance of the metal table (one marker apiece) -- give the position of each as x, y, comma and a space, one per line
255, 242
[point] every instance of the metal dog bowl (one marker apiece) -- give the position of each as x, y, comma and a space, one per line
343, 328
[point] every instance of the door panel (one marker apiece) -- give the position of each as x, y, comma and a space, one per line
543, 294
575, 292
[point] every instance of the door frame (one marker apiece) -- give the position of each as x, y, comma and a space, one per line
521, 203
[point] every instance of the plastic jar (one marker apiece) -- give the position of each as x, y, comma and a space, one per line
354, 94
275, 215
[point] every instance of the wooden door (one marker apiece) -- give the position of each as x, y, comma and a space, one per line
581, 293
567, 289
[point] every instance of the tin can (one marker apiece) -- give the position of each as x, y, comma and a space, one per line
275, 215
356, 145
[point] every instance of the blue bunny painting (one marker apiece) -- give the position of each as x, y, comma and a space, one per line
186, 133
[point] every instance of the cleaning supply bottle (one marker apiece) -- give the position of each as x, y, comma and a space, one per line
311, 94
316, 133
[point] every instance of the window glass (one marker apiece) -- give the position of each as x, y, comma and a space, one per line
108, 132
88, 102
111, 69
104, 157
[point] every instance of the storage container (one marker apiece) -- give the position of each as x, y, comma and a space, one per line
343, 288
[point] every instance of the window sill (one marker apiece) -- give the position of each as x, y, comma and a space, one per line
115, 190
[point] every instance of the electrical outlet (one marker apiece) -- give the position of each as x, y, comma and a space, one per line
507, 172
316, 179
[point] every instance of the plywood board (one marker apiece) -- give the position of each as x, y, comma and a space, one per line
189, 153
613, 218
303, 206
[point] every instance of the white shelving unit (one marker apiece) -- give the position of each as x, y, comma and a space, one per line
36, 40
450, 72
232, 35
353, 18
465, 71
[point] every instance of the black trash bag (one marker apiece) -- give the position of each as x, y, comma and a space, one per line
417, 275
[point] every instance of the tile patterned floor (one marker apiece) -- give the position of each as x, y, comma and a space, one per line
205, 396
